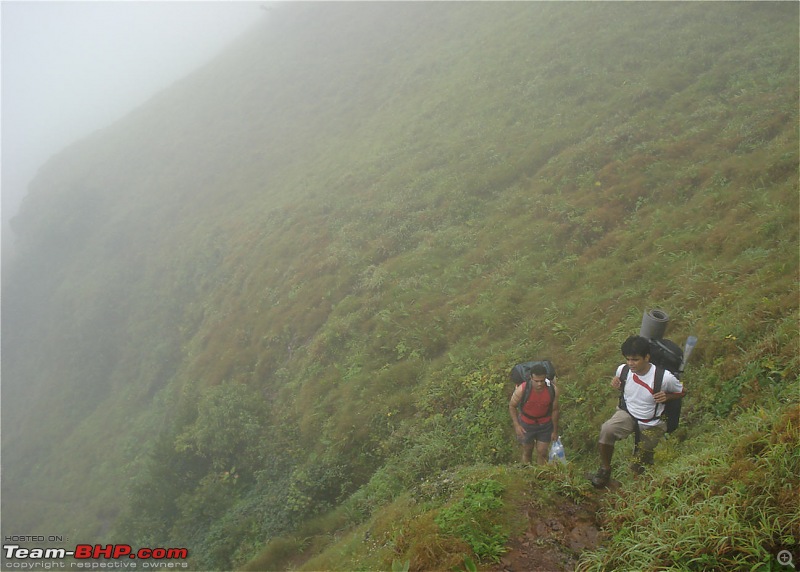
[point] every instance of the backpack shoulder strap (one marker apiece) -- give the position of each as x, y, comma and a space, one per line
659, 380
623, 375
657, 383
526, 393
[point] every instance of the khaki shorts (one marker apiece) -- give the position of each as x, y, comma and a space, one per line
621, 425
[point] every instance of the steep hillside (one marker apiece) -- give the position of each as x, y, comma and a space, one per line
279, 302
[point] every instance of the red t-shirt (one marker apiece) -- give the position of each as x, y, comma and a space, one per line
535, 410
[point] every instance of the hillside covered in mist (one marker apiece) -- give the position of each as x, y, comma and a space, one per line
270, 314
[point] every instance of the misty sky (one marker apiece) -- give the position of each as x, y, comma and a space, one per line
70, 68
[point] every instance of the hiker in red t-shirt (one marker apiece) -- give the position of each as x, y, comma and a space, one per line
535, 420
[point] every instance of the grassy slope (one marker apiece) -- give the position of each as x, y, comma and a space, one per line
388, 206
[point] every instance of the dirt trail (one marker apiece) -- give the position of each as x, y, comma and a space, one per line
553, 542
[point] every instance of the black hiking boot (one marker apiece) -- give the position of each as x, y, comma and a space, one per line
601, 477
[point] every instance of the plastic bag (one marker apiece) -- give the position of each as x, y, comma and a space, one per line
557, 451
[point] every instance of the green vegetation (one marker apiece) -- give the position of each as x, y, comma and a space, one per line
728, 503
270, 315
467, 519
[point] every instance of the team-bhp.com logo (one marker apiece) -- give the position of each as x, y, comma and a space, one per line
89, 556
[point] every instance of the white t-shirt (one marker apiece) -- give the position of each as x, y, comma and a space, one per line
639, 394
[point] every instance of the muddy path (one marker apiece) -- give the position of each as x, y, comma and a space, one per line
554, 541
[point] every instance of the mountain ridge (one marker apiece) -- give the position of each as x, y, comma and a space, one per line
388, 200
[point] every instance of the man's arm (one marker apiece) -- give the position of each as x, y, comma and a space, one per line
674, 389
616, 382
663, 397
516, 397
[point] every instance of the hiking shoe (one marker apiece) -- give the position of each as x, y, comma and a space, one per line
637, 468
601, 478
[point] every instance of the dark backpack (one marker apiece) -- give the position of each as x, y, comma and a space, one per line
665, 355
521, 373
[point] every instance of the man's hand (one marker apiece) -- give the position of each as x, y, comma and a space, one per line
616, 383
660, 397
519, 430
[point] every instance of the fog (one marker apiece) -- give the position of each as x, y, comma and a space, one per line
70, 68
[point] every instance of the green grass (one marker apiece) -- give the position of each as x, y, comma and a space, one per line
324, 283
470, 520
728, 504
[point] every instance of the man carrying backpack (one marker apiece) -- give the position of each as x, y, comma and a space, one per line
645, 389
534, 411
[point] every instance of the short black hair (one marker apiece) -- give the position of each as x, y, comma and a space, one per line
636, 346
538, 369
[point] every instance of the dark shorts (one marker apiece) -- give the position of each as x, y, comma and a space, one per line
541, 433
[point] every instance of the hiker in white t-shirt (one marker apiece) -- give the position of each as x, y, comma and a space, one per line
640, 407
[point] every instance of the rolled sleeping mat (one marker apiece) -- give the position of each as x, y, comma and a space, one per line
654, 324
